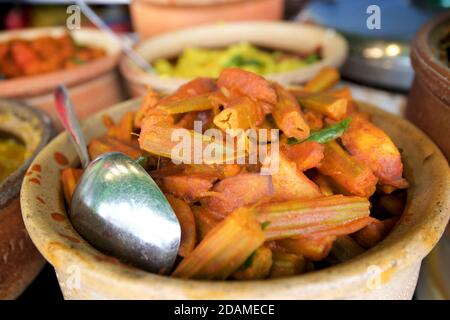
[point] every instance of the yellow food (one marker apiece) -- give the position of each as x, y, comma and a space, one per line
12, 155
202, 62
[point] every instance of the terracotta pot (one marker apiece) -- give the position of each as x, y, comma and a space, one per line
277, 35
20, 262
93, 85
429, 99
152, 17
85, 273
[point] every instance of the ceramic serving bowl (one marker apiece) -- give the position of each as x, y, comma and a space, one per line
93, 85
20, 262
153, 17
275, 35
387, 271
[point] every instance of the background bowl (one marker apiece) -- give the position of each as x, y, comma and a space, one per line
429, 99
276, 35
153, 17
20, 262
387, 271
93, 85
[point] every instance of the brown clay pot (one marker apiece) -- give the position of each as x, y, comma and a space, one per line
152, 17
20, 262
85, 273
429, 99
93, 85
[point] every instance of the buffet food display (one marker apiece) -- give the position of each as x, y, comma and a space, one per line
339, 177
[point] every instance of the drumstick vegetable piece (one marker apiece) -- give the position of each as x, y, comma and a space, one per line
69, 179
240, 114
311, 217
187, 222
373, 147
306, 155
374, 232
314, 249
345, 248
326, 104
286, 264
257, 266
325, 79
288, 115
214, 257
348, 173
106, 144
195, 103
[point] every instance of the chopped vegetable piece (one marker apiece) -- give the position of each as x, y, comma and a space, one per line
69, 179
234, 192
286, 264
192, 88
123, 130
306, 155
150, 101
327, 134
326, 104
290, 183
373, 147
325, 79
288, 116
257, 266
325, 185
205, 221
350, 174
214, 258
103, 145
313, 119
314, 249
241, 113
187, 223
309, 217
345, 248
188, 187
237, 82
194, 103
374, 232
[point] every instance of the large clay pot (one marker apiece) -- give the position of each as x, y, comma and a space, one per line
20, 262
85, 273
152, 17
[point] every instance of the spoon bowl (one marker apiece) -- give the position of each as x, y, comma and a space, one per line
120, 209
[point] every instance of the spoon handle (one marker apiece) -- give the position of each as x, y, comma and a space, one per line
126, 47
69, 120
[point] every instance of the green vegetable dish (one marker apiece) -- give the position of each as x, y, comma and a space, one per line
204, 62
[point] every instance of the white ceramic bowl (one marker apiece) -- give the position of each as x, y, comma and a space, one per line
278, 35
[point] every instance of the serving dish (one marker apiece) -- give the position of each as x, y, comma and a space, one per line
387, 271
276, 35
153, 17
20, 262
94, 85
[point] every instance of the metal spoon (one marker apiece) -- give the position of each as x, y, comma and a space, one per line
117, 206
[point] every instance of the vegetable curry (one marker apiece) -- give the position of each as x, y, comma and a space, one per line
27, 57
338, 189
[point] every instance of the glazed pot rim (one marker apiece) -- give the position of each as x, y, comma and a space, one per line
412, 239
10, 187
425, 61
333, 57
46, 82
